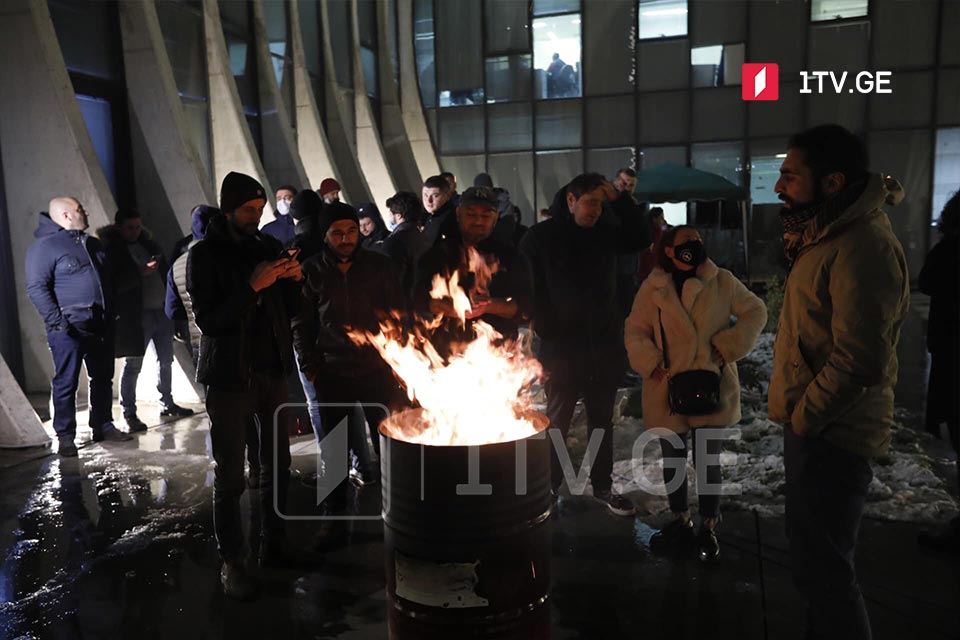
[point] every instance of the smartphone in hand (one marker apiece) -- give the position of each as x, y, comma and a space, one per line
292, 253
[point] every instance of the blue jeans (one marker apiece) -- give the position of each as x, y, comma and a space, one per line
157, 328
70, 349
310, 393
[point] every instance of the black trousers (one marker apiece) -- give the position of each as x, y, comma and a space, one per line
826, 493
598, 398
709, 503
338, 398
71, 349
232, 414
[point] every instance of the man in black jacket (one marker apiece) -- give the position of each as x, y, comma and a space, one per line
405, 243
69, 283
243, 287
441, 212
346, 287
503, 302
574, 258
139, 272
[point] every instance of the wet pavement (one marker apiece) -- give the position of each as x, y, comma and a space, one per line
119, 544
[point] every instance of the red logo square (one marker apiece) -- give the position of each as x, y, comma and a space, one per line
761, 81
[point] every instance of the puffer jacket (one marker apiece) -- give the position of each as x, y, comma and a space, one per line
334, 301
845, 299
225, 305
693, 323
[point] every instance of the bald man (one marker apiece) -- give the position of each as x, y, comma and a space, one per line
68, 284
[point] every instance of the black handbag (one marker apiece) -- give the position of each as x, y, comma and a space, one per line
690, 393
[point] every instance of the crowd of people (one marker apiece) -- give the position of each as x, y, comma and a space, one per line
602, 282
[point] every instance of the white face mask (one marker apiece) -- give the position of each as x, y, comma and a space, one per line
283, 207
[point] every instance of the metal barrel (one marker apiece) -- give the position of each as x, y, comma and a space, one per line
466, 538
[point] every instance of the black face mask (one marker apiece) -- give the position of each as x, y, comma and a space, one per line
691, 253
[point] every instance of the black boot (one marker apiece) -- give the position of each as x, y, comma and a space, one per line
708, 545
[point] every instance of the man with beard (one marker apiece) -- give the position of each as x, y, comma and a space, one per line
835, 361
243, 288
503, 302
346, 288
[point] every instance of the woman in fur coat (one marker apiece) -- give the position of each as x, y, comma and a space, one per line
710, 321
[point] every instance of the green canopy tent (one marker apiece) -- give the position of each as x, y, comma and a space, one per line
674, 183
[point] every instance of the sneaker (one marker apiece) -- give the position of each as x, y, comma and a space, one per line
175, 411
615, 502
237, 584
946, 541
67, 448
109, 433
363, 477
709, 547
679, 533
134, 424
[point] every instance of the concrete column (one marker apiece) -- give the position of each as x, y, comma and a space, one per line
19, 425
312, 144
396, 144
370, 154
341, 131
280, 156
46, 152
155, 103
233, 147
415, 123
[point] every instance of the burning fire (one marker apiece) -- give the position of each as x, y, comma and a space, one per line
480, 395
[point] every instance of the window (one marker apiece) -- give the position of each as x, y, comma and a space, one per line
507, 26
368, 58
508, 78
556, 56
423, 44
99, 120
764, 173
662, 18
313, 53
837, 9
235, 18
722, 158
552, 7
946, 168
717, 65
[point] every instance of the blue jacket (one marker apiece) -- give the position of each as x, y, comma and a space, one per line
282, 229
67, 278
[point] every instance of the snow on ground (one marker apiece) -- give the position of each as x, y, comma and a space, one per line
905, 485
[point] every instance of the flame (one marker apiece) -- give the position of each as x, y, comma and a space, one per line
480, 395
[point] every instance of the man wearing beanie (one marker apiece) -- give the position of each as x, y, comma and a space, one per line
503, 303
346, 287
329, 191
243, 288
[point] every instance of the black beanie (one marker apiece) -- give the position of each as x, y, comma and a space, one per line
483, 180
306, 204
238, 188
332, 213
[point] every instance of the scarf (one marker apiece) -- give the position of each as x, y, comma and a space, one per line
801, 227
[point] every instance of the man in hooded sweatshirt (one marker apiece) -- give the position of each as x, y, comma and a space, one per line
69, 283
834, 361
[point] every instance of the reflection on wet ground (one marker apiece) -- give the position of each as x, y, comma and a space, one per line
119, 544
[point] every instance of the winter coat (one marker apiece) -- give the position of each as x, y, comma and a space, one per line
835, 356
332, 301
513, 280
68, 279
575, 309
128, 285
225, 305
693, 323
282, 228
404, 246
441, 224
173, 305
940, 279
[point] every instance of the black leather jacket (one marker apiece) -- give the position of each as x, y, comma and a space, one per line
225, 306
334, 301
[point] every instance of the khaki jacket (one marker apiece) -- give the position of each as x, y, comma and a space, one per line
835, 356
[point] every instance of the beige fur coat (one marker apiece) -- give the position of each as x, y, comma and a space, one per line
701, 318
